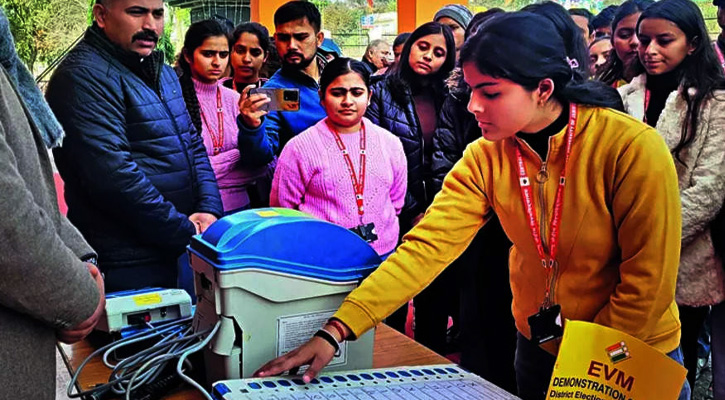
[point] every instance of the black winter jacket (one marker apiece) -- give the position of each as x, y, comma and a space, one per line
455, 130
397, 114
133, 164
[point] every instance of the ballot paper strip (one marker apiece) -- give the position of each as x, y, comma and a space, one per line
446, 381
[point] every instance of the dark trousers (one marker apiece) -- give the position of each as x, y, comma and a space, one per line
138, 275
534, 367
433, 306
692, 320
717, 324
487, 328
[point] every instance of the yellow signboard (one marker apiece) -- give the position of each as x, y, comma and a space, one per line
600, 363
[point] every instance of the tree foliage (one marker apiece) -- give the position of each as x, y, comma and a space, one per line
342, 19
343, 16
42, 29
165, 44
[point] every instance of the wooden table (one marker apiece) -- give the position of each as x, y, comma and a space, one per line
391, 349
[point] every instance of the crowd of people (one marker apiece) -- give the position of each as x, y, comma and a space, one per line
513, 169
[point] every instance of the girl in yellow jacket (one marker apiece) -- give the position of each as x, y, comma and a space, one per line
551, 152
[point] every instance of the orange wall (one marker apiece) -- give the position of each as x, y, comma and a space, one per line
262, 11
411, 13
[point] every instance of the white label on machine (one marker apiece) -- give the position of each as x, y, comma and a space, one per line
295, 330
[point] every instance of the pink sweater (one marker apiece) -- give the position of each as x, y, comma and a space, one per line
231, 176
312, 177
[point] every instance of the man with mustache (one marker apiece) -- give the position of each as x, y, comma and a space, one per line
138, 182
297, 37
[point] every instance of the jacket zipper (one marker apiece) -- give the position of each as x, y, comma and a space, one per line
542, 176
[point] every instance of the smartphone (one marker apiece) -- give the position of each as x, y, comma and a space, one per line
282, 99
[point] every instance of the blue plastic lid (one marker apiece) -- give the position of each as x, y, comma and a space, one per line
133, 292
287, 241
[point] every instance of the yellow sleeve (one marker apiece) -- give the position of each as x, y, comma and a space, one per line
646, 209
449, 225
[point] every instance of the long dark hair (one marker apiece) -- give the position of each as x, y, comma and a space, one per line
700, 70
196, 35
402, 76
480, 18
526, 48
613, 69
576, 47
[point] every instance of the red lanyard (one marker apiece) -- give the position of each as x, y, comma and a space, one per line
528, 199
216, 140
646, 104
719, 55
357, 184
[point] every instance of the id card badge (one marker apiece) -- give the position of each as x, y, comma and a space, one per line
366, 232
546, 324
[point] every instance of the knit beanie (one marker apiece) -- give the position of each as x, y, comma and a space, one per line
456, 12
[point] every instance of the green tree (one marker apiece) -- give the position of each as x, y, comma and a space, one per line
339, 18
508, 5
179, 22
90, 11
342, 19
165, 44
383, 6
42, 29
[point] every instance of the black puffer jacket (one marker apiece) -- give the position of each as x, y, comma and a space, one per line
133, 164
394, 110
456, 129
